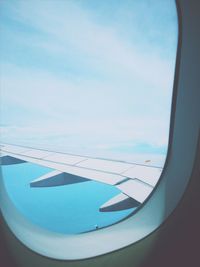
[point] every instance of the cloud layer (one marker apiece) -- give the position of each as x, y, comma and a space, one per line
95, 81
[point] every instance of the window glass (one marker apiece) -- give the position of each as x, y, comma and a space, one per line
87, 78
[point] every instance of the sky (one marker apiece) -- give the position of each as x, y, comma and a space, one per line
88, 77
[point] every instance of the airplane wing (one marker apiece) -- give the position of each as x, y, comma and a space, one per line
133, 180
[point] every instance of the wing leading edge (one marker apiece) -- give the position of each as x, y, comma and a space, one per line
134, 181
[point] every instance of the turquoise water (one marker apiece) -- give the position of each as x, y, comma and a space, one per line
68, 209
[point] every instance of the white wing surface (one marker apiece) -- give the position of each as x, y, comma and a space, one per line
135, 181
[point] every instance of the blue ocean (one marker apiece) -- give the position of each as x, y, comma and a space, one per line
68, 209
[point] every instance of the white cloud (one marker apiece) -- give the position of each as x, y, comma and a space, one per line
69, 27
126, 103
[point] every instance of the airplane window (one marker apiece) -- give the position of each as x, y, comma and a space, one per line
86, 90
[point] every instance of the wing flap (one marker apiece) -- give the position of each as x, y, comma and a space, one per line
14, 149
106, 165
99, 176
146, 174
65, 158
135, 189
40, 154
